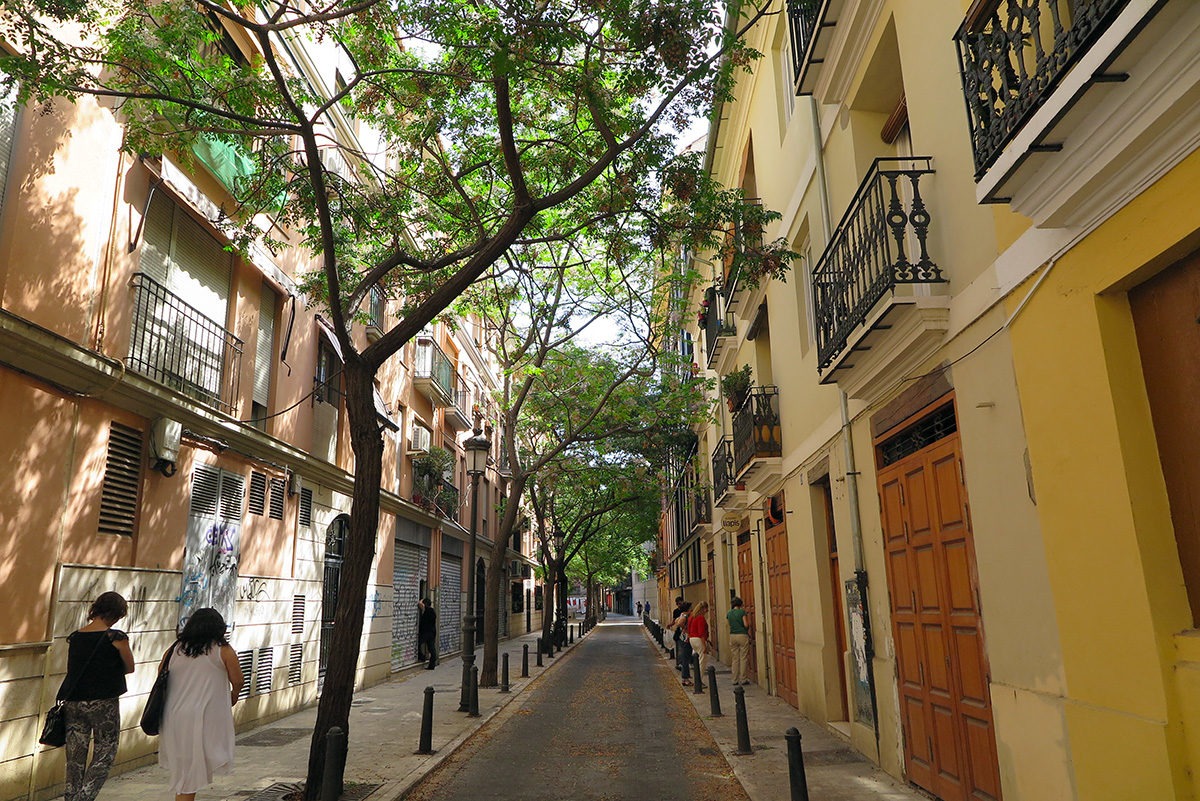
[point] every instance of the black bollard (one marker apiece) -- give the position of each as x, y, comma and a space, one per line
796, 777
539, 651
425, 745
335, 764
699, 681
714, 702
473, 712
571, 633
504, 674
743, 727
525, 661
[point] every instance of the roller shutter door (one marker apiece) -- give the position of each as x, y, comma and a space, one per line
450, 605
410, 567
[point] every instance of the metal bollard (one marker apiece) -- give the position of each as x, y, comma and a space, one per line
743, 727
525, 661
335, 764
425, 745
714, 702
699, 682
504, 673
539, 651
571, 633
796, 777
473, 712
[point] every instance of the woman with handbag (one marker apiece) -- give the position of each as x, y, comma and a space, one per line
203, 683
98, 659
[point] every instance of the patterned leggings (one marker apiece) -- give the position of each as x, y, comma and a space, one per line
85, 720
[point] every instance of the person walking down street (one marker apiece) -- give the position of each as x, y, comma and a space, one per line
698, 633
639, 608
203, 685
98, 659
427, 633
683, 643
739, 641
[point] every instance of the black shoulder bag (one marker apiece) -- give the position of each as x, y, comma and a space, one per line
156, 702
54, 733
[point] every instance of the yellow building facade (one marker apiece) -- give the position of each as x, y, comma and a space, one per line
958, 494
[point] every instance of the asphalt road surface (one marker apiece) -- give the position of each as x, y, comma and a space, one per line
609, 724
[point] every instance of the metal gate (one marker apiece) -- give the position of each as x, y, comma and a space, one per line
335, 550
450, 604
409, 568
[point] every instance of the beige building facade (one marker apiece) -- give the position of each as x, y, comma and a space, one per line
887, 494
174, 430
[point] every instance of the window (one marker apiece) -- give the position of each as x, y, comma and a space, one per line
537, 597
264, 351
122, 481
518, 597
329, 376
8, 129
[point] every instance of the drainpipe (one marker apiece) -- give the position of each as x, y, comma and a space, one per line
768, 649
860, 568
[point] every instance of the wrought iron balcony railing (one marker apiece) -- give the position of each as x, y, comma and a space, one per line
718, 322
879, 243
701, 504
1013, 55
722, 468
179, 346
756, 431
804, 23
434, 366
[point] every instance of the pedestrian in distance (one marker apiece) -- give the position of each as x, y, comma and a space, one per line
203, 684
698, 633
647, 607
639, 608
739, 641
682, 642
98, 659
427, 633
675, 633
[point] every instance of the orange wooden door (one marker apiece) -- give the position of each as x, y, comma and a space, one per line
783, 632
713, 620
745, 567
838, 608
949, 737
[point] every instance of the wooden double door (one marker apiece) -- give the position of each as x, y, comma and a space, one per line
946, 714
745, 571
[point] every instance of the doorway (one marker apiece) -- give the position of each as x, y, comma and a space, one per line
779, 581
335, 554
823, 491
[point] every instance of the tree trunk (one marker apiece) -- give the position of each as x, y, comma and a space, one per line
549, 601
333, 708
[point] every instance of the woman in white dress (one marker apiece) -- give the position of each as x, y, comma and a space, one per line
203, 685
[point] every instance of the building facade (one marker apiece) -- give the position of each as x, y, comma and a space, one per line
176, 431
949, 473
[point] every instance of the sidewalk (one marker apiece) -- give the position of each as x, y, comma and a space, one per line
835, 772
385, 724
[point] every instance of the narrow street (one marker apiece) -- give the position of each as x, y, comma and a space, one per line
611, 725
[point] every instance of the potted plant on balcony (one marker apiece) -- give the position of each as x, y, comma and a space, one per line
702, 315
428, 473
735, 386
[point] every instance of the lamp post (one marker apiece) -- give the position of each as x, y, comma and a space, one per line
477, 448
560, 629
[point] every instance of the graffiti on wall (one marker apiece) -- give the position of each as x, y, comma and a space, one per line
253, 590
210, 562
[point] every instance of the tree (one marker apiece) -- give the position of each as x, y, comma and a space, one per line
499, 127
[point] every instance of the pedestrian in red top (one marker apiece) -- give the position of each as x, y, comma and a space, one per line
698, 633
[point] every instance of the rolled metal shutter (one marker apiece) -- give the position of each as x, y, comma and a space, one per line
450, 604
410, 566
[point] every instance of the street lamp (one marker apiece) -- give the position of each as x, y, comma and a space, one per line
477, 448
560, 630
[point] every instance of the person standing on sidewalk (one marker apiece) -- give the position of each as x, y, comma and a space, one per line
683, 647
739, 641
427, 633
698, 633
98, 659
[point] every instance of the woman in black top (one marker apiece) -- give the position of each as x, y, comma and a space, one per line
98, 658
427, 633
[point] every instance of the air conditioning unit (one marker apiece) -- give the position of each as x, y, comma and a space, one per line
418, 441
165, 436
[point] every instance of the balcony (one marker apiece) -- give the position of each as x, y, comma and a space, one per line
727, 493
809, 28
175, 344
718, 324
741, 237
703, 509
1050, 86
875, 315
459, 414
757, 444
433, 374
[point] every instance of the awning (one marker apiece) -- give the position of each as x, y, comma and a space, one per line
381, 409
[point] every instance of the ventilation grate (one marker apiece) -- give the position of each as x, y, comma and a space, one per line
206, 489
296, 664
264, 670
277, 489
305, 518
246, 661
122, 478
233, 489
926, 431
298, 614
258, 492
